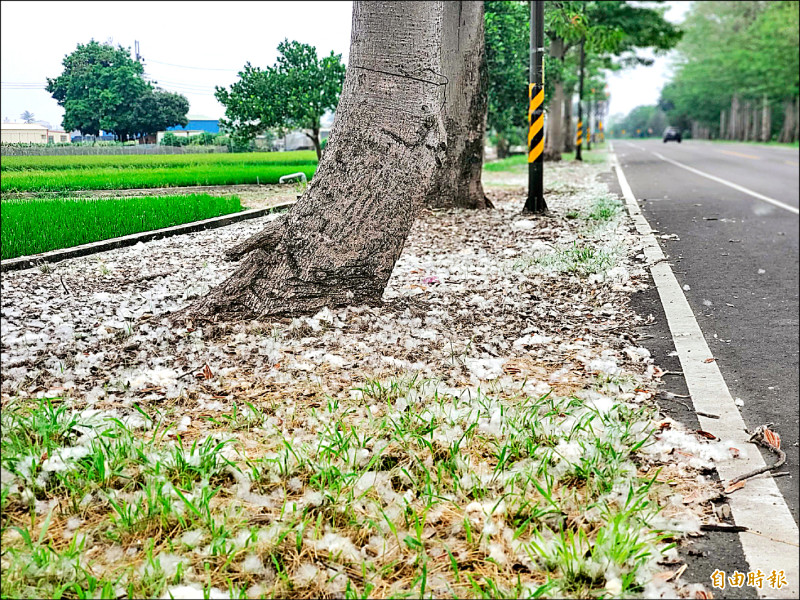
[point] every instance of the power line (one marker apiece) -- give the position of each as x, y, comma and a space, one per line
188, 67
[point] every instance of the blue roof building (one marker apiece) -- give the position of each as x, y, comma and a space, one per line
198, 124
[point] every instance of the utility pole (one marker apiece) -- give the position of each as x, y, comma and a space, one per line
589, 122
579, 138
535, 202
136, 46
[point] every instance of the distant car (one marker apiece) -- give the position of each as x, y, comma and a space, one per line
672, 133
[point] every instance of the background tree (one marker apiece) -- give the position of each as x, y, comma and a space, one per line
294, 93
28, 117
102, 87
338, 245
615, 32
507, 34
735, 58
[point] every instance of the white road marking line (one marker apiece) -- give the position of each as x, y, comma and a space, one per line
759, 506
772, 201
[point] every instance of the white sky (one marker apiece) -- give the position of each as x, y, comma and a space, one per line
215, 38
642, 85
205, 35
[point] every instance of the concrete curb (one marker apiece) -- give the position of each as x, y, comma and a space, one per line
26, 262
771, 530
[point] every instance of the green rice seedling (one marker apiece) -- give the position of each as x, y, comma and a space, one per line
123, 179
151, 161
36, 225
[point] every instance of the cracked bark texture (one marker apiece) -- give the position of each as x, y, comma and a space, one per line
338, 245
457, 182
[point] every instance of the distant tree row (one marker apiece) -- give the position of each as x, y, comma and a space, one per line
737, 72
103, 88
611, 32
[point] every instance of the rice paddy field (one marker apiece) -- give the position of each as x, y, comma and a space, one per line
72, 173
31, 226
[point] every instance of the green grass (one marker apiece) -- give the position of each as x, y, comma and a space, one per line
118, 179
153, 161
38, 225
593, 156
504, 163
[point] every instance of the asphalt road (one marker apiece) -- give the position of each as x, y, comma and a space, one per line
738, 255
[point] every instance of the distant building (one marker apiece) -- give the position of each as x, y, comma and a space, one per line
297, 140
195, 126
32, 133
77, 136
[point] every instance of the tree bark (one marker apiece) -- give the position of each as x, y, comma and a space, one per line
788, 129
502, 147
722, 131
338, 245
314, 137
569, 137
766, 120
554, 139
733, 119
457, 181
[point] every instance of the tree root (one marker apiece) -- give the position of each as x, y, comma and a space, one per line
266, 239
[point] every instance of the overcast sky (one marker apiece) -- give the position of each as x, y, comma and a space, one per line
204, 43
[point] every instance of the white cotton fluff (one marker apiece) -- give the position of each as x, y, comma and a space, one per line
618, 274
334, 360
486, 369
531, 340
253, 564
305, 574
338, 545
64, 459
703, 453
169, 563
604, 365
192, 592
193, 537
637, 353
524, 224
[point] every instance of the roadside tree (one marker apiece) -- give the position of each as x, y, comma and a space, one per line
338, 245
457, 181
294, 93
103, 87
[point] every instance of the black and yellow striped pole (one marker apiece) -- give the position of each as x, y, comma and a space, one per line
535, 202
601, 136
579, 137
589, 125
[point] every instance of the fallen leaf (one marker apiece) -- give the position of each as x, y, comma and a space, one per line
709, 360
773, 439
703, 595
734, 452
706, 434
734, 486
207, 374
664, 425
664, 575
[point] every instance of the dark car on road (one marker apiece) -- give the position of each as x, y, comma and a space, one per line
672, 133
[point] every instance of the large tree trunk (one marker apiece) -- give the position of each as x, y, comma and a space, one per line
766, 120
458, 180
788, 129
733, 119
569, 137
554, 139
338, 245
722, 132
